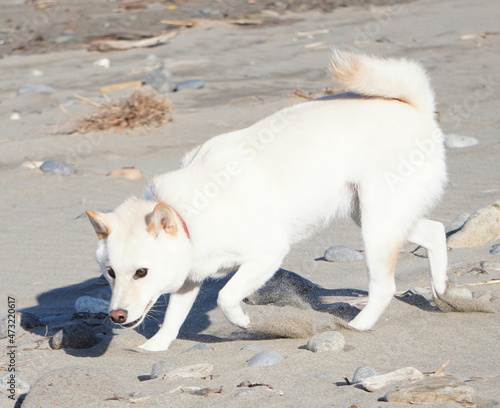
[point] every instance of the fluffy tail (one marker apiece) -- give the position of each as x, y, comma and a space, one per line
386, 78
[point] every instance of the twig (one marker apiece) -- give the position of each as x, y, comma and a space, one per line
87, 100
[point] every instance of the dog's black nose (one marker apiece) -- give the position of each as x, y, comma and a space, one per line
118, 316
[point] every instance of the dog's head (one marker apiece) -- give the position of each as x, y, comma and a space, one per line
144, 252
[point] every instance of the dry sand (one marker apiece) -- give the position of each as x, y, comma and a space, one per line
47, 248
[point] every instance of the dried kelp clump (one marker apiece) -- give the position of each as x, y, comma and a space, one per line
141, 108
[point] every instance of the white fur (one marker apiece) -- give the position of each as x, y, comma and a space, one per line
248, 195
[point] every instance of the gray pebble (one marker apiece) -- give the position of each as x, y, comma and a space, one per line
457, 223
361, 373
17, 384
52, 166
35, 88
79, 336
189, 84
452, 141
495, 249
88, 304
198, 346
339, 253
265, 358
160, 368
327, 341
160, 79
494, 266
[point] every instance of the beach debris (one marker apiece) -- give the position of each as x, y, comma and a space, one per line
160, 368
265, 358
57, 167
78, 336
407, 374
482, 228
458, 141
130, 173
434, 389
120, 45
202, 392
192, 371
141, 108
180, 23
159, 79
247, 21
248, 384
197, 346
35, 88
121, 85
36, 73
15, 116
88, 386
189, 84
361, 373
495, 249
327, 341
89, 304
13, 385
493, 266
103, 63
339, 253
457, 223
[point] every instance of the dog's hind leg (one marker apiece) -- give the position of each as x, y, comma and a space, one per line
431, 235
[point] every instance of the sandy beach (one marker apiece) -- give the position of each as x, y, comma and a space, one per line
248, 72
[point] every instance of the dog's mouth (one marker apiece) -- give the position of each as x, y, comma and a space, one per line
138, 321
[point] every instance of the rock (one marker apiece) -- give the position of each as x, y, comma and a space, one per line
482, 228
52, 166
198, 346
433, 389
189, 84
35, 88
15, 116
73, 386
361, 373
457, 223
78, 336
327, 341
284, 288
126, 172
339, 253
191, 371
265, 358
161, 368
459, 293
493, 266
88, 304
495, 249
12, 384
160, 79
452, 141
407, 374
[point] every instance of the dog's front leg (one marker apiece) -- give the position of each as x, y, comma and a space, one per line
179, 305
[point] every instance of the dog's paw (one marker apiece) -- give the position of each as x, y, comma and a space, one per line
155, 344
243, 321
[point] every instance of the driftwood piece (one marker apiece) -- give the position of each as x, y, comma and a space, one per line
407, 374
120, 45
192, 371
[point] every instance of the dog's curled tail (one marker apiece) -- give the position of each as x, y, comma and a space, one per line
401, 79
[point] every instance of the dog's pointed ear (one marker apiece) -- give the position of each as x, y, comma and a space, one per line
162, 218
101, 226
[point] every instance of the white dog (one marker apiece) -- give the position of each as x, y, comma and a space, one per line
242, 199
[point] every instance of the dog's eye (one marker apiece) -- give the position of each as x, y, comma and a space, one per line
111, 272
140, 273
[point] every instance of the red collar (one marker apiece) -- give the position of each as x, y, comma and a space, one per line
184, 226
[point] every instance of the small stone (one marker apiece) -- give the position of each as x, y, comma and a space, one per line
160, 79
493, 266
327, 341
88, 304
52, 166
495, 249
36, 73
459, 293
453, 141
35, 88
434, 389
361, 373
17, 384
457, 223
15, 116
265, 358
189, 84
73, 386
161, 368
339, 253
79, 336
198, 346
482, 228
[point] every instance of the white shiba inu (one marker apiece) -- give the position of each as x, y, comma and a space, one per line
241, 200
